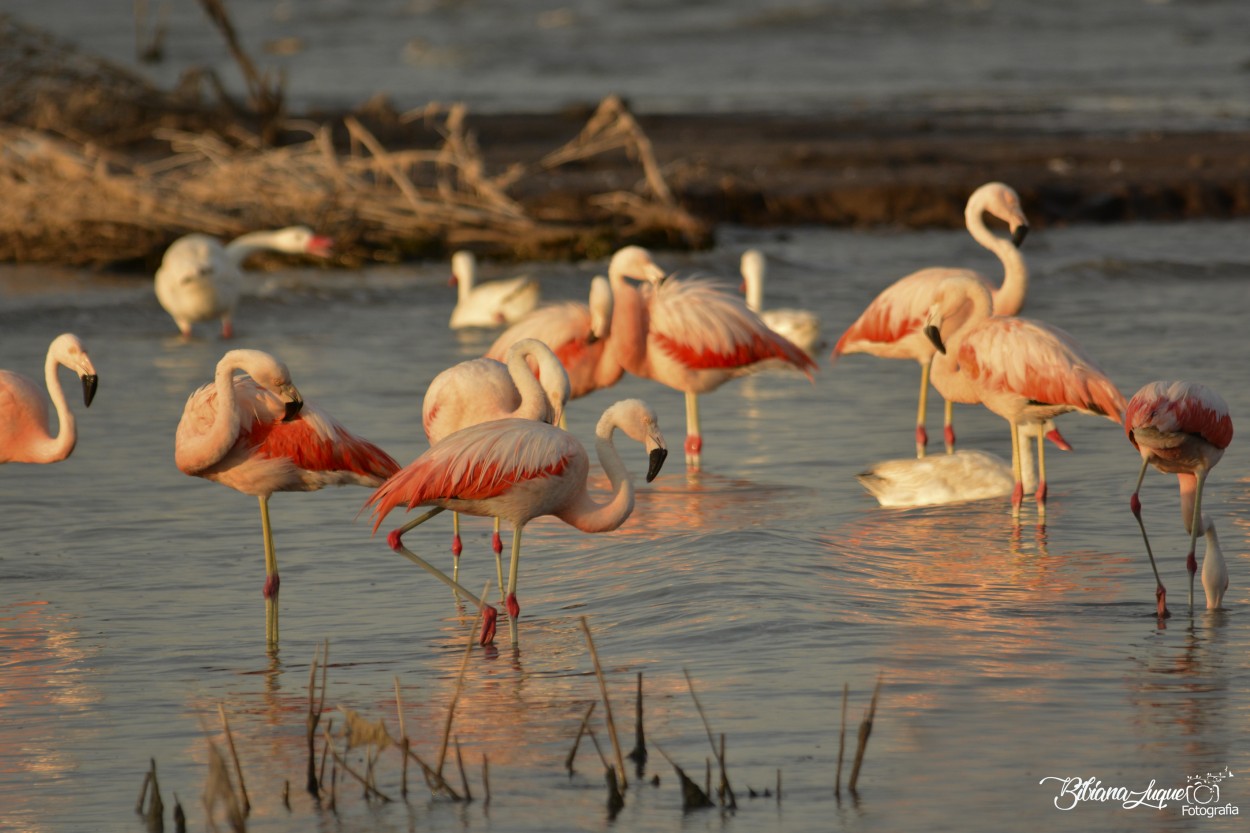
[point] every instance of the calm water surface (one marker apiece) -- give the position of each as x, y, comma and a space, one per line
130, 599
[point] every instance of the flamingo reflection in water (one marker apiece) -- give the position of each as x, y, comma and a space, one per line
518, 470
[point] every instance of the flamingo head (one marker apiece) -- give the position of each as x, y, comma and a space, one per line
635, 262
68, 350
463, 269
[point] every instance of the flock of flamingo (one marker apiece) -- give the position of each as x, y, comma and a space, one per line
495, 424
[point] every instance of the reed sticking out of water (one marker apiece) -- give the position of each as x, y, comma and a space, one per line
616, 799
837, 781
639, 754
486, 779
581, 730
724, 791
693, 797
341, 762
234, 756
403, 740
464, 779
316, 706
865, 729
180, 818
218, 789
607, 705
154, 815
455, 697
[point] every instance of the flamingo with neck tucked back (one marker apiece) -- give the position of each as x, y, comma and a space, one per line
24, 434
690, 335
199, 279
798, 326
1025, 371
891, 326
483, 390
490, 304
258, 436
577, 333
518, 470
1183, 428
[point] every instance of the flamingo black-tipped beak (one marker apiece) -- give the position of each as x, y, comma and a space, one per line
1017, 236
592, 338
292, 409
90, 382
935, 335
656, 462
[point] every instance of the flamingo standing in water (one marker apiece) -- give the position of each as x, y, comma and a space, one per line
1025, 371
256, 435
518, 470
1182, 427
491, 304
24, 435
482, 390
798, 326
199, 279
891, 325
577, 333
689, 335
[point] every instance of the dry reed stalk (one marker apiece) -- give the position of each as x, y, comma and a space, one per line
234, 755
725, 791
403, 740
639, 753
693, 797
154, 815
455, 698
340, 761
464, 779
180, 818
486, 779
865, 729
581, 730
607, 704
143, 792
218, 789
315, 709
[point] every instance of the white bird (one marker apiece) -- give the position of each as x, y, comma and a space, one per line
199, 279
798, 326
491, 304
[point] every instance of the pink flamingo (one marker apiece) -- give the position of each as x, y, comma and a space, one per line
1025, 371
482, 390
891, 325
1182, 427
578, 335
24, 435
256, 435
689, 335
798, 326
518, 470
199, 279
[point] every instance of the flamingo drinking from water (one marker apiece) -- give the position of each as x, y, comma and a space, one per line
483, 390
490, 304
1182, 427
258, 436
518, 470
199, 279
798, 326
1025, 371
24, 434
690, 335
891, 325
577, 333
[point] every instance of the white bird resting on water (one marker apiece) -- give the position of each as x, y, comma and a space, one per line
938, 479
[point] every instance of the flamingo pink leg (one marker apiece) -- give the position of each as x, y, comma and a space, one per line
948, 427
1041, 478
1161, 595
922, 436
395, 540
694, 439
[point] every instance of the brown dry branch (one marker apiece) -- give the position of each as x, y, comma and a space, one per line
613, 127
607, 704
581, 730
837, 781
865, 729
639, 753
234, 755
340, 761
316, 706
265, 96
464, 779
455, 697
219, 789
693, 797
403, 741
725, 791
154, 815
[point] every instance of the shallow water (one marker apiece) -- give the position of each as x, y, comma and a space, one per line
131, 601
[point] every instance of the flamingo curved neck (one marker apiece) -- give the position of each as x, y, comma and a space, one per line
534, 403
629, 326
589, 515
1009, 296
243, 247
755, 288
221, 435
55, 449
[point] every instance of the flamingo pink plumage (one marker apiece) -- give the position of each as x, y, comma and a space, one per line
517, 470
1182, 427
199, 279
577, 333
490, 304
256, 435
483, 390
24, 435
891, 326
690, 335
1025, 371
